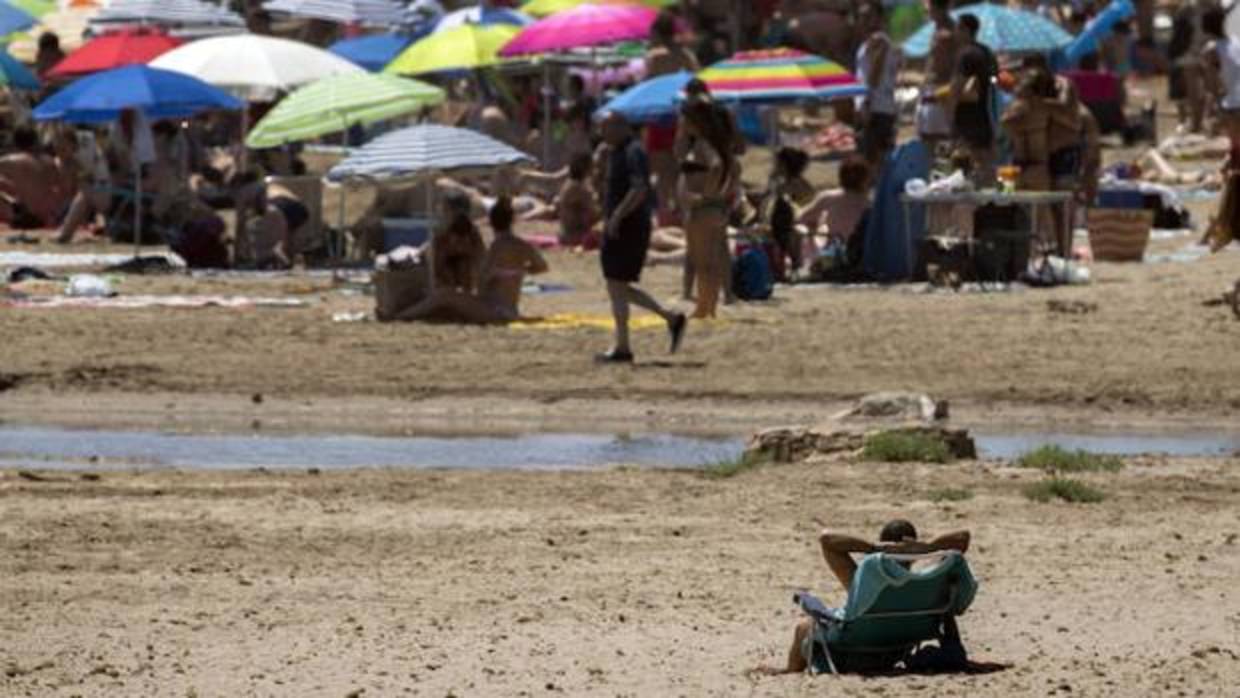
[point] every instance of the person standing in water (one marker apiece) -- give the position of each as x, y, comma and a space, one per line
628, 208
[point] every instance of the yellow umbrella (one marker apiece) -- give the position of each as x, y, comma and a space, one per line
459, 48
543, 8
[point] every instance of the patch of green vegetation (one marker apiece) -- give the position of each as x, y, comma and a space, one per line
1067, 489
1054, 459
905, 447
951, 494
732, 467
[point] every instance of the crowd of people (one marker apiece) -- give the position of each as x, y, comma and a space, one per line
671, 191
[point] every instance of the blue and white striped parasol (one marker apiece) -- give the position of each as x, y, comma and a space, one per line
425, 149
170, 13
370, 12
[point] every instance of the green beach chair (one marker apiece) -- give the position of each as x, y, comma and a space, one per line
891, 611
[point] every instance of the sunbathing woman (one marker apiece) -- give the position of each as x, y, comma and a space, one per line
503, 272
705, 185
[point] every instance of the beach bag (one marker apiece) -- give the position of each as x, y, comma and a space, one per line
752, 278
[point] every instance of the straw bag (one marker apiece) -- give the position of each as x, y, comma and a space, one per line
1119, 235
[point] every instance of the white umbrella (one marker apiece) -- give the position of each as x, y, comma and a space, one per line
483, 15
254, 67
425, 149
371, 12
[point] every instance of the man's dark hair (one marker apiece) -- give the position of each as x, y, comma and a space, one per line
48, 41
873, 8
457, 203
501, 214
1212, 21
25, 139
970, 24
664, 27
897, 530
579, 166
792, 161
854, 174
941, 4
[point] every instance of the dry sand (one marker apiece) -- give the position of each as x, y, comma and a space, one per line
623, 583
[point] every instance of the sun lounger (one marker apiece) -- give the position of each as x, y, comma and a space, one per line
890, 611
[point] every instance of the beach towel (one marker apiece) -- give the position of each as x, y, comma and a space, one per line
140, 302
574, 321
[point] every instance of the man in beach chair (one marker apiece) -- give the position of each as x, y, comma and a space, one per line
903, 593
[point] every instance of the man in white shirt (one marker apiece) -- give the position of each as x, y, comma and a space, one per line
878, 63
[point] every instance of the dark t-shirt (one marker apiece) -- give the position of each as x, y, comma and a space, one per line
627, 169
972, 119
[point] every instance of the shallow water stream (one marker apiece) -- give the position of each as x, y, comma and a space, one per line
46, 447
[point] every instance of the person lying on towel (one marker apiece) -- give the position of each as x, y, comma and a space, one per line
897, 537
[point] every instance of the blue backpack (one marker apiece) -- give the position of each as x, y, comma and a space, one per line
752, 279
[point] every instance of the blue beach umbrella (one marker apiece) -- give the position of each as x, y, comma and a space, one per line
1003, 29
159, 94
375, 51
650, 101
14, 74
14, 19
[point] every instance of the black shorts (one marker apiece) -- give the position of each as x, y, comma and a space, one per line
878, 134
295, 213
972, 125
624, 256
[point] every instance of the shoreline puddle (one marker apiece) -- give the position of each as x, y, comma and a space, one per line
70, 449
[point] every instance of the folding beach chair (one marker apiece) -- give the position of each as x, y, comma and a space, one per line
891, 611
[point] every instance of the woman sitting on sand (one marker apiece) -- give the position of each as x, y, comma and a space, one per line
502, 274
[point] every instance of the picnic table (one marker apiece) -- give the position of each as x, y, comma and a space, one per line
1031, 200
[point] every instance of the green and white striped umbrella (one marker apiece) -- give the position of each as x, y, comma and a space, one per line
337, 103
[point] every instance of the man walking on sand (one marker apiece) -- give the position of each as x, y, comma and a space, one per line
628, 204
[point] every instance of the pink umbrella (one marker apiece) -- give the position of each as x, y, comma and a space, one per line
583, 26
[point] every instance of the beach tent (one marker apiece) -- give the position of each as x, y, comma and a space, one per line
337, 103
425, 149
253, 66
1003, 29
651, 101
377, 13
114, 50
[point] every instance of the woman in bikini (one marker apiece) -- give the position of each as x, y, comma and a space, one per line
503, 272
705, 184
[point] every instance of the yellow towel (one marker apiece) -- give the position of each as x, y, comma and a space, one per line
572, 321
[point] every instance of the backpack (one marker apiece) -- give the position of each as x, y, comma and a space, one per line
752, 279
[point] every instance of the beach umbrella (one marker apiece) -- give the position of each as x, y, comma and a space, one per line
484, 16
370, 12
374, 51
14, 19
334, 104
35, 8
114, 50
425, 149
69, 24
14, 74
168, 13
465, 47
652, 101
253, 66
780, 75
583, 26
157, 94
1003, 29
543, 8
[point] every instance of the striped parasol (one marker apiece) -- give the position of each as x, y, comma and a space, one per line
425, 149
169, 13
370, 12
779, 75
337, 103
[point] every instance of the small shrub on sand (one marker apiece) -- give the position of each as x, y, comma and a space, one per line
735, 466
1067, 489
905, 447
951, 494
1054, 459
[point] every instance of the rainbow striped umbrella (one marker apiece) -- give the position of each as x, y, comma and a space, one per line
779, 75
